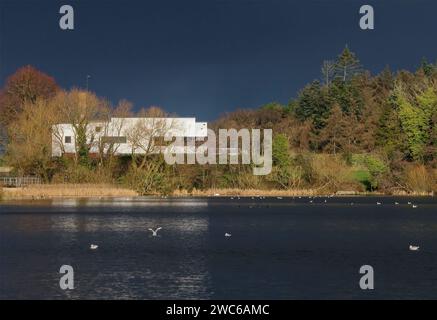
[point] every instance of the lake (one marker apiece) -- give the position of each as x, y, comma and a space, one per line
288, 248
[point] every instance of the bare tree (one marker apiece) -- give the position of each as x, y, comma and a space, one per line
151, 125
328, 71
29, 148
80, 109
108, 148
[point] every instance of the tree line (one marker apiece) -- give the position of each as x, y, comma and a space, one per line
348, 130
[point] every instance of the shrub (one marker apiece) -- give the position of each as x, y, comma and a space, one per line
84, 174
287, 177
238, 177
304, 161
331, 171
281, 151
151, 179
375, 166
419, 179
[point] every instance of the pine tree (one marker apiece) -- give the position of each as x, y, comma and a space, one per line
428, 68
313, 103
347, 65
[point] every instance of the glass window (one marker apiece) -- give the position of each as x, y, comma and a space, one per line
114, 140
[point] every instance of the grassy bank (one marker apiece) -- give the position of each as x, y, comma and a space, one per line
49, 191
287, 193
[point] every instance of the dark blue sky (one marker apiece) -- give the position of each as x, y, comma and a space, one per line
204, 57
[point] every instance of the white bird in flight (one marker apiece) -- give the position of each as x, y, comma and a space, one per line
228, 234
414, 248
155, 232
93, 247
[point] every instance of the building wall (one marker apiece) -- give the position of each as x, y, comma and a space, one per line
135, 131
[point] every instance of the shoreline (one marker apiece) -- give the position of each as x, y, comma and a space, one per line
105, 191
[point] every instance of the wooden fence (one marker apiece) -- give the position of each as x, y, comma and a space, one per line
19, 181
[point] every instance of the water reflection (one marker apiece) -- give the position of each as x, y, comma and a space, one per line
130, 202
277, 250
129, 264
79, 223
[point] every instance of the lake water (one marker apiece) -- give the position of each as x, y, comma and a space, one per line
279, 249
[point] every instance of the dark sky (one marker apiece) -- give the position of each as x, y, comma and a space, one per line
204, 57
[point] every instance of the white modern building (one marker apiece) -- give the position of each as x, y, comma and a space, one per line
126, 136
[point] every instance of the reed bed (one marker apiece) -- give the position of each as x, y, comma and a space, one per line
47, 191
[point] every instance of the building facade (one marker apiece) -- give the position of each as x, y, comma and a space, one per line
125, 136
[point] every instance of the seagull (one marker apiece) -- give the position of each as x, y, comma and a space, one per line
378, 203
93, 247
228, 235
414, 248
280, 198
414, 206
409, 202
396, 203
155, 232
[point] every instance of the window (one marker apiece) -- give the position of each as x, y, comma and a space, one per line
98, 129
67, 139
114, 140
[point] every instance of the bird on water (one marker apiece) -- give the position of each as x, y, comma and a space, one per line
155, 232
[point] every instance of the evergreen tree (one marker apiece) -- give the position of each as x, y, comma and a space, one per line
427, 68
347, 65
313, 103
347, 95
